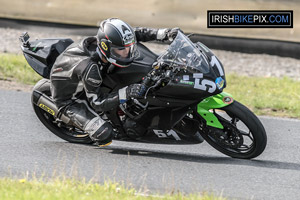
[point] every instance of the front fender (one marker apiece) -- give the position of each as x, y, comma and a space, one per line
213, 102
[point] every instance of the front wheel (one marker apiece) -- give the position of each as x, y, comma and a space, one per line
243, 135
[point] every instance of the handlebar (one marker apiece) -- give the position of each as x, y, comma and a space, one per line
147, 81
152, 80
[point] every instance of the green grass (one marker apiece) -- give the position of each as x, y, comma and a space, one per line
265, 96
16, 67
68, 189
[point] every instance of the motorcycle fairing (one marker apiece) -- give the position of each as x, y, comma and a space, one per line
197, 71
213, 102
41, 54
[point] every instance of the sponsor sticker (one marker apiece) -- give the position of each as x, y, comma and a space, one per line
104, 46
47, 109
186, 82
94, 81
227, 100
186, 77
220, 82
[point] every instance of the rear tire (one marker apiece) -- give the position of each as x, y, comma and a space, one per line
231, 141
74, 136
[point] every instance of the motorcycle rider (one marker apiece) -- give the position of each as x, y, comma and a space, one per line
81, 68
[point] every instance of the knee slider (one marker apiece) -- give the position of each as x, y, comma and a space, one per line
104, 134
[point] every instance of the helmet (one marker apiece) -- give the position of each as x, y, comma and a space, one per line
116, 41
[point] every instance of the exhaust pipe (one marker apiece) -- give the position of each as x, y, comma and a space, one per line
44, 102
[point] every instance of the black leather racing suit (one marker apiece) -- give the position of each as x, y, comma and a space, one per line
78, 69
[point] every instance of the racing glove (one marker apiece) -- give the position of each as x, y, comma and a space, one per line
167, 34
132, 91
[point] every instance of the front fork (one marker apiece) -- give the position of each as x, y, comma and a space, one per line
213, 102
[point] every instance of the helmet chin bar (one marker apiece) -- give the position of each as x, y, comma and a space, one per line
121, 66
114, 62
110, 60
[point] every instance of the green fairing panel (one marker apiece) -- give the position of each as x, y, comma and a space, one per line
217, 101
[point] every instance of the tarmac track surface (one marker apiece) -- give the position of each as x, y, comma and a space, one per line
27, 147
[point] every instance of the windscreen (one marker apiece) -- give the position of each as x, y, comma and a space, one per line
183, 53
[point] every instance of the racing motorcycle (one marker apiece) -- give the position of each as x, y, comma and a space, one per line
184, 102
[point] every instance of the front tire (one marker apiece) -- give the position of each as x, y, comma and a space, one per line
69, 134
243, 135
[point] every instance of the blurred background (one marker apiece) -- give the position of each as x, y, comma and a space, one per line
189, 15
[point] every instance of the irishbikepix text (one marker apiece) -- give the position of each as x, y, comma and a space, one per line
249, 19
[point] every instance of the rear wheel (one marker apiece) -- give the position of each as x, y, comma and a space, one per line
243, 135
68, 133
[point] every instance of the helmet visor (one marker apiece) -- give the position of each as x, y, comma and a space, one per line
123, 53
